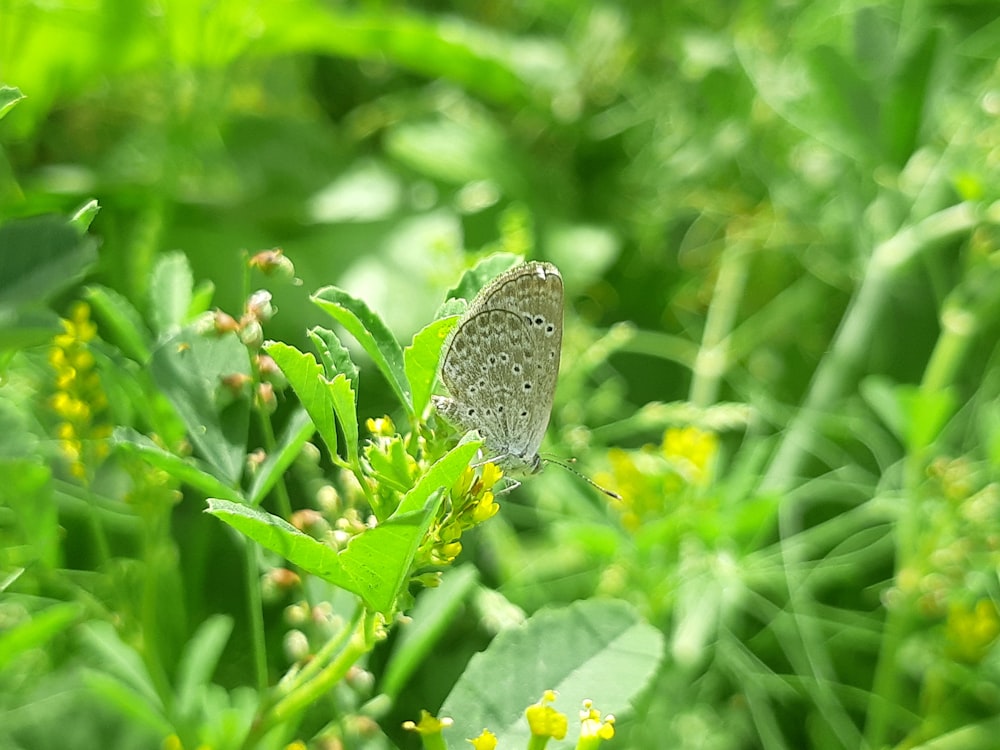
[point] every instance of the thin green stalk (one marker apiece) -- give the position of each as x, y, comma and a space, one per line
837, 372
294, 703
270, 444
325, 654
255, 614
712, 360
958, 330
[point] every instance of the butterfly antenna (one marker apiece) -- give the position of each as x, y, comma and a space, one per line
584, 477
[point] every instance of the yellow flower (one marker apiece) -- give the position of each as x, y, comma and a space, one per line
381, 426
79, 397
544, 720
491, 474
693, 449
429, 728
485, 508
971, 632
592, 728
485, 741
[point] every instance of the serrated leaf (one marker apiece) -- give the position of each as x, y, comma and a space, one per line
123, 321
595, 649
312, 388
297, 433
373, 335
170, 293
379, 559
345, 404
420, 360
189, 369
188, 470
334, 355
39, 257
374, 565
279, 536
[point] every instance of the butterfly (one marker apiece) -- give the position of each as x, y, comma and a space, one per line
500, 364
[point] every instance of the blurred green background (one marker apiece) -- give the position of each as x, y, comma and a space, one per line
776, 225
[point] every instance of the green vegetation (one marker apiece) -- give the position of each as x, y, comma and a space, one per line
229, 517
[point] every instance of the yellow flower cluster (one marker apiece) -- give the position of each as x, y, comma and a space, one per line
544, 721
469, 503
79, 399
652, 476
394, 470
971, 631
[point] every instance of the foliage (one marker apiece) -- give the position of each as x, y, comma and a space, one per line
777, 224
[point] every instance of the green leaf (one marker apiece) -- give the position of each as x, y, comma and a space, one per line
122, 320
373, 335
434, 612
170, 285
444, 473
189, 370
9, 96
297, 433
345, 404
379, 559
23, 329
34, 535
279, 536
481, 274
201, 298
595, 649
374, 565
119, 661
84, 216
314, 391
37, 631
882, 396
905, 106
198, 662
391, 467
420, 360
39, 257
190, 471
334, 355
127, 702
474, 57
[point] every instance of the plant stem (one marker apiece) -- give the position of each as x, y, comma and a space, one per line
290, 706
837, 372
255, 613
712, 359
958, 330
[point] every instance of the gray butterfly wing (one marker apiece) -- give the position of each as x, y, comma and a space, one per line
501, 362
